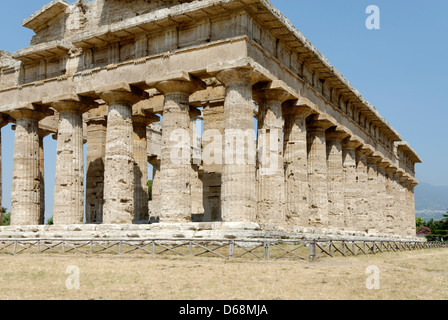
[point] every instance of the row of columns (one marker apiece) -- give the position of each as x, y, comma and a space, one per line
324, 178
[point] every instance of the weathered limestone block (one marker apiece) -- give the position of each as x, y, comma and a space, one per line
25, 196
238, 188
175, 168
317, 171
349, 146
119, 160
96, 151
296, 166
335, 178
69, 184
270, 171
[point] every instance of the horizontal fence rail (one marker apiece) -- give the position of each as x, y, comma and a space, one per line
226, 249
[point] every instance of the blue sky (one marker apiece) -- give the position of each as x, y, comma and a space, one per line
399, 68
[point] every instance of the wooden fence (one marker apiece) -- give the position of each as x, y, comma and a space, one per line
226, 249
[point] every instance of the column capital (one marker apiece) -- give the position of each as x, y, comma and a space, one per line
71, 102
275, 90
4, 119
365, 149
374, 158
391, 169
30, 111
336, 134
383, 163
238, 75
186, 87
144, 119
121, 93
351, 142
319, 122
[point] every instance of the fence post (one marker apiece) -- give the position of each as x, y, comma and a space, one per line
312, 247
231, 248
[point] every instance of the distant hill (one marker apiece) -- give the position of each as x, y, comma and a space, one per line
431, 202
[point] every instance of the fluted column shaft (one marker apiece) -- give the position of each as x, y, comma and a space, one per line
296, 167
96, 151
25, 195
317, 173
335, 178
212, 168
373, 193
175, 167
42, 135
238, 188
119, 160
390, 200
141, 211
350, 181
363, 217
381, 205
2, 124
69, 176
271, 174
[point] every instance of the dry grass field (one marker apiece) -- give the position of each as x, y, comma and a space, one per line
420, 275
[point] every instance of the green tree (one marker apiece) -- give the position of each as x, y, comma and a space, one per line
150, 190
419, 222
50, 221
6, 218
439, 229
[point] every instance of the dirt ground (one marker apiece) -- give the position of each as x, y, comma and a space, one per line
420, 275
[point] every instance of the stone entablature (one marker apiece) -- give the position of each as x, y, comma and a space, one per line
218, 54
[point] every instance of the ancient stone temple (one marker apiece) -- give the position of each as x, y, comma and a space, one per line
286, 142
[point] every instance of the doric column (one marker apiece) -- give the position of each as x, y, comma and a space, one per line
175, 167
296, 166
335, 178
42, 134
362, 203
412, 184
69, 176
119, 161
238, 188
349, 146
3, 122
391, 219
401, 196
96, 152
409, 221
140, 123
381, 205
212, 160
196, 186
317, 171
373, 192
270, 171
155, 202
25, 195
